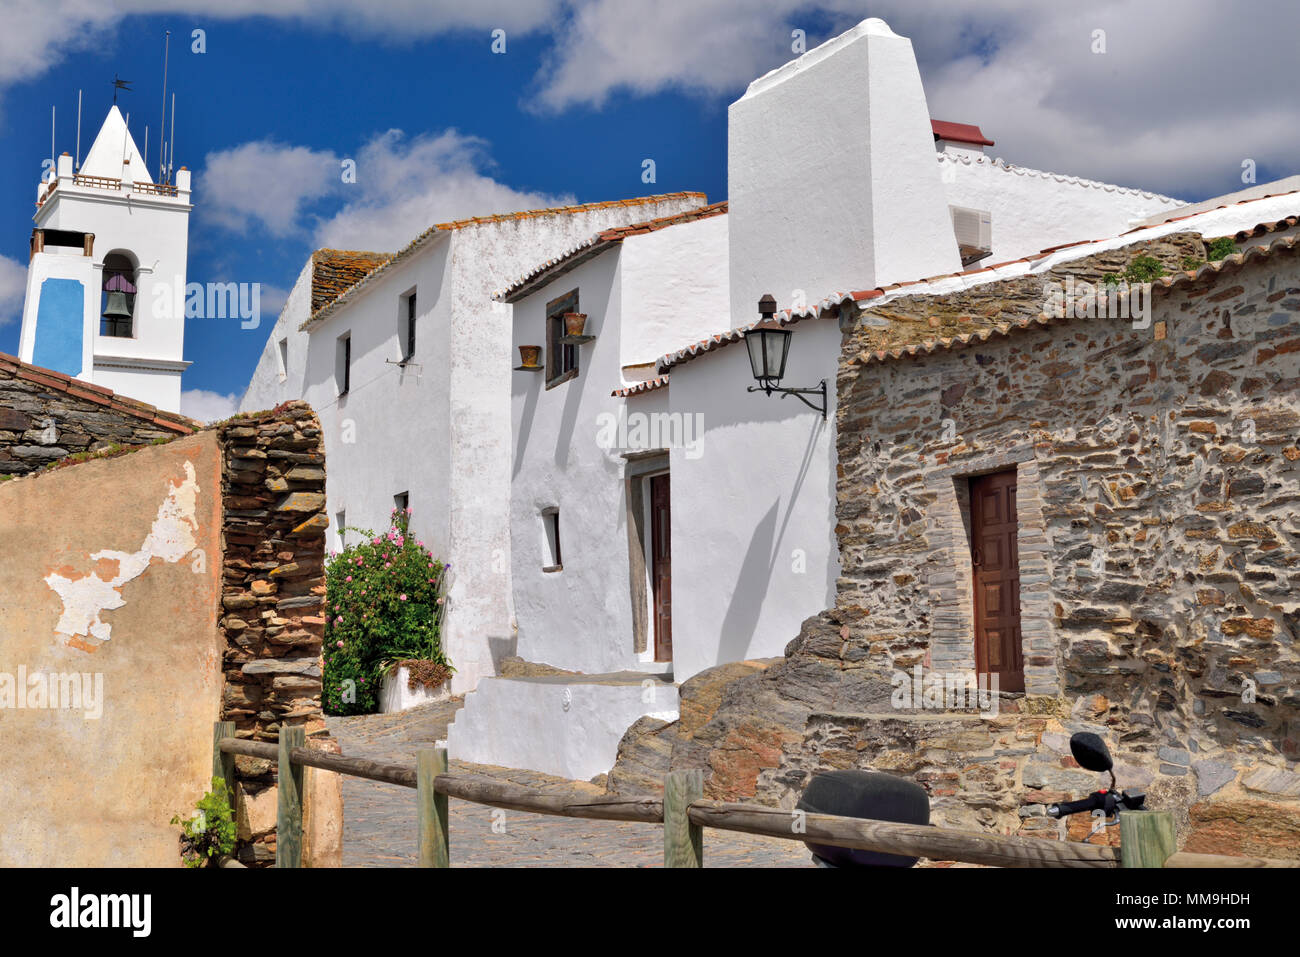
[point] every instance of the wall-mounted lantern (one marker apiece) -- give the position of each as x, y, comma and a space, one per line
769, 347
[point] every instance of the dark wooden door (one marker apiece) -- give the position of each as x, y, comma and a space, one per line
995, 556
661, 575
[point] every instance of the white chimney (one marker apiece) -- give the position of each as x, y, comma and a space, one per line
832, 182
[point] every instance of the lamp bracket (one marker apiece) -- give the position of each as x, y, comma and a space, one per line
768, 388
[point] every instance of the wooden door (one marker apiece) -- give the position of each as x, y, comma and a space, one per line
995, 557
661, 567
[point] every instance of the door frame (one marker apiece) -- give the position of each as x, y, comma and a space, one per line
981, 648
652, 635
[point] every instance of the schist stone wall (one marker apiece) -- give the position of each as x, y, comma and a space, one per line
1159, 532
273, 588
45, 416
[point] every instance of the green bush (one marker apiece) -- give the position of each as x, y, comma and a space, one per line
211, 832
384, 603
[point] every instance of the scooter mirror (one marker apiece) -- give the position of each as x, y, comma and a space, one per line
1090, 751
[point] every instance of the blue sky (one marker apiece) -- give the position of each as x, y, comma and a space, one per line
441, 127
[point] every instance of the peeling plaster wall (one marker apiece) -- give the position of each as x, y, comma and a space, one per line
135, 545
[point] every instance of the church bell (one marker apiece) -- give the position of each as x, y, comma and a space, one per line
116, 307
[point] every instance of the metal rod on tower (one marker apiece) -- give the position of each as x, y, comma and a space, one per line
171, 148
78, 166
145, 158
54, 160
162, 130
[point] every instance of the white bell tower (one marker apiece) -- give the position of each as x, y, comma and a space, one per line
106, 282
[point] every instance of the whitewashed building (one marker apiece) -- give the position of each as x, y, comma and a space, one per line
749, 543
408, 368
105, 298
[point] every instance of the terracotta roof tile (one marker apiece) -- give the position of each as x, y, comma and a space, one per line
441, 228
549, 270
959, 133
180, 424
640, 388
830, 305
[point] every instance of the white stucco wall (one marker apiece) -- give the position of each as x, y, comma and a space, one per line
268, 386
675, 288
439, 428
648, 294
753, 517
831, 175
571, 730
1033, 210
579, 618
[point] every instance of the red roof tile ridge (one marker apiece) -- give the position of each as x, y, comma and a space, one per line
181, 424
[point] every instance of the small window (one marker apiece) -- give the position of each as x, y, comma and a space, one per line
561, 357
343, 364
283, 352
402, 501
551, 529
341, 517
408, 326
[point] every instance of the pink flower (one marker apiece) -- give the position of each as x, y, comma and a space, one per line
349, 578
402, 597
439, 601
339, 644
388, 564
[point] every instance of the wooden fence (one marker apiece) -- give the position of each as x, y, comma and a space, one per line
1147, 837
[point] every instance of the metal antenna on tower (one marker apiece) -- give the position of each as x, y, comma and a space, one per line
162, 129
171, 146
53, 159
78, 166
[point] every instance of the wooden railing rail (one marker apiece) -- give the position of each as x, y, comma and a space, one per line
1147, 837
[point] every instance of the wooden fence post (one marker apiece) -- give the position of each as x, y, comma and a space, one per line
223, 765
288, 825
1146, 838
434, 851
683, 841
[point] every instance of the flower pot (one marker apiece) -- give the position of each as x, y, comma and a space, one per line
574, 322
530, 357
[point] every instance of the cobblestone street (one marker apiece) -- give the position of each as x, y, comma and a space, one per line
379, 819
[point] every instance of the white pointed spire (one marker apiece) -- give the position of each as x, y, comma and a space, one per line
114, 154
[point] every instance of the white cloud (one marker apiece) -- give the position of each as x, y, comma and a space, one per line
265, 183
207, 406
405, 185
13, 289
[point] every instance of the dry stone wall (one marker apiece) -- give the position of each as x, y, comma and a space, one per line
46, 416
273, 591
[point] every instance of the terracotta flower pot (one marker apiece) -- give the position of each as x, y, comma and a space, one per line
574, 322
530, 357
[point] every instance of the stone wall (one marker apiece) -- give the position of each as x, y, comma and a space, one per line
1160, 552
273, 592
45, 416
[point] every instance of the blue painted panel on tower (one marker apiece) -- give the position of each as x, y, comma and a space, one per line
60, 321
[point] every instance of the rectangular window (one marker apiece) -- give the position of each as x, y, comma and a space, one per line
551, 529
343, 364
402, 501
341, 518
283, 352
408, 327
561, 357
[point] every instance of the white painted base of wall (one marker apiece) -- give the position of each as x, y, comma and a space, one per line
561, 725
396, 696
